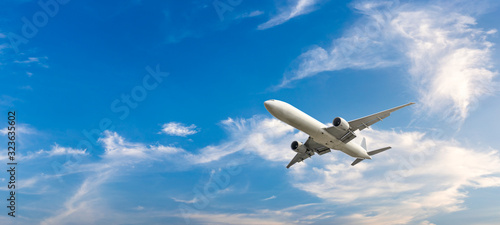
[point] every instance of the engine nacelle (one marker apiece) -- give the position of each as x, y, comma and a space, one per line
341, 124
297, 146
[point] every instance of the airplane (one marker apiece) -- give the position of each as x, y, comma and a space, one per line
322, 138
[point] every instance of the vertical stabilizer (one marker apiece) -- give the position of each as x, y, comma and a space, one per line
363, 144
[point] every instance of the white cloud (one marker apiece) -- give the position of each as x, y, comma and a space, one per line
448, 56
295, 8
178, 129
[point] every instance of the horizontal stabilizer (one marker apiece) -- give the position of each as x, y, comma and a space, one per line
370, 153
356, 162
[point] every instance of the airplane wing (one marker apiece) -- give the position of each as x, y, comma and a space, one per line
312, 147
362, 123
315, 147
299, 157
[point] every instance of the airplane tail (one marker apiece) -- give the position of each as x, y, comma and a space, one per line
363, 143
370, 153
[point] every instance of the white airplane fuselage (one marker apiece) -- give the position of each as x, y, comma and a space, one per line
315, 129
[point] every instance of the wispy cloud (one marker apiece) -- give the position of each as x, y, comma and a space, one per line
449, 57
54, 151
227, 219
41, 61
118, 156
272, 197
20, 129
83, 205
179, 129
6, 100
298, 214
295, 8
118, 149
58, 150
26, 87
185, 201
250, 14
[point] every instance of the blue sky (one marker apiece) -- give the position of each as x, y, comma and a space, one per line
152, 111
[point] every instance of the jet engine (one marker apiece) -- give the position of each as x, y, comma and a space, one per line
341, 124
298, 147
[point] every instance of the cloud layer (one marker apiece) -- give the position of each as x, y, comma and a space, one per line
421, 176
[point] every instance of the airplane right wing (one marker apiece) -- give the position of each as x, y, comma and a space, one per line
362, 123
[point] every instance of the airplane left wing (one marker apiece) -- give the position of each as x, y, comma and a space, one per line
315, 147
312, 147
299, 157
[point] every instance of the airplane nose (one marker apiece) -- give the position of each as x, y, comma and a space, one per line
268, 104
